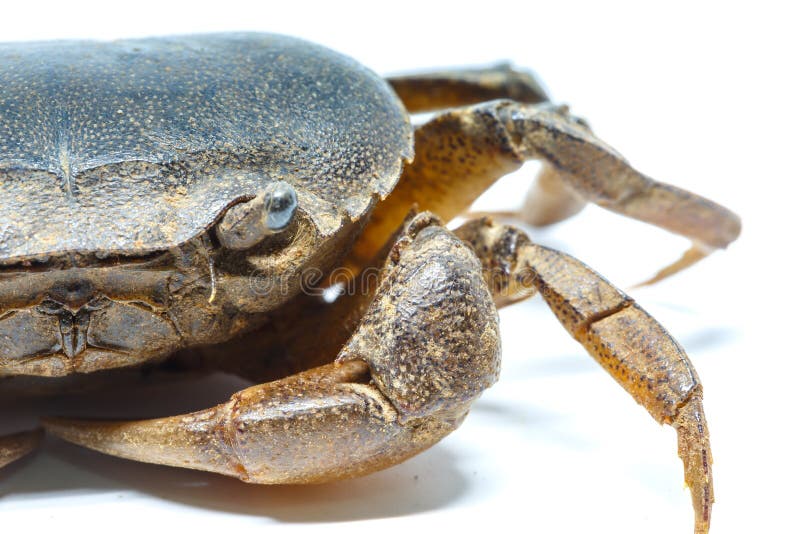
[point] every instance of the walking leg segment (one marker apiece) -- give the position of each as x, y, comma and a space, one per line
632, 346
461, 87
461, 152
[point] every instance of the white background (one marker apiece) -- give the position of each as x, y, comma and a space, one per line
701, 95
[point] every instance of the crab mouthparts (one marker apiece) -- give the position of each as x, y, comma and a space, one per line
73, 325
54, 340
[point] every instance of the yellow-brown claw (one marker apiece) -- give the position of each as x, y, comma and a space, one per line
15, 446
310, 427
694, 449
324, 424
187, 441
425, 348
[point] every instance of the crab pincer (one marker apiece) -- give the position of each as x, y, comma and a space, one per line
211, 189
426, 347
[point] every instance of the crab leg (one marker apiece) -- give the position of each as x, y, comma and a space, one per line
15, 446
425, 348
635, 349
460, 153
460, 87
550, 199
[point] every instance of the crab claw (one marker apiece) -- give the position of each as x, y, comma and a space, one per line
295, 430
426, 346
175, 441
16, 446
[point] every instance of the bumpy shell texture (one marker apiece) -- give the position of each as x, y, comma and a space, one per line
139, 145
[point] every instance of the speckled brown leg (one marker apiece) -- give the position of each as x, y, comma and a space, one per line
551, 199
462, 152
437, 90
637, 351
15, 446
425, 348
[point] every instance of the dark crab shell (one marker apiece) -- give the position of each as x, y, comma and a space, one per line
139, 145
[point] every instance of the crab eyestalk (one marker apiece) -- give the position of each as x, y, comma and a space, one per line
247, 224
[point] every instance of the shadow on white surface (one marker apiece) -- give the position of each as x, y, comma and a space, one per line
61, 470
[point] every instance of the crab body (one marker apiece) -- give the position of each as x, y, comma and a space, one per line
185, 197
117, 160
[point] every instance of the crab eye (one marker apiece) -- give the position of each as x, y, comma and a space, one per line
280, 204
247, 224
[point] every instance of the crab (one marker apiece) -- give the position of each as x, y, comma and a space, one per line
191, 198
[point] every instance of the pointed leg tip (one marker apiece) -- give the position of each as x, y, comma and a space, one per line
702, 499
694, 448
126, 439
15, 446
696, 253
181, 441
